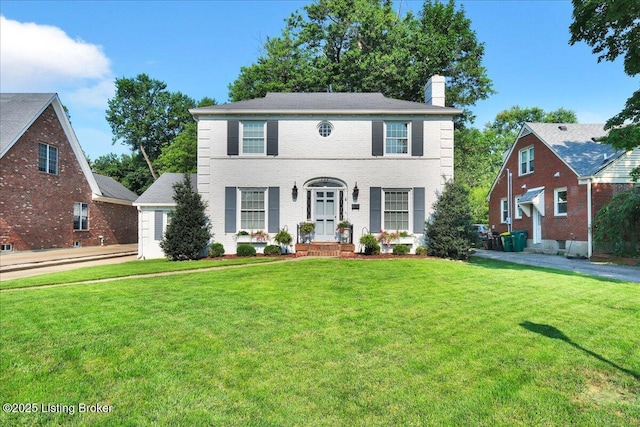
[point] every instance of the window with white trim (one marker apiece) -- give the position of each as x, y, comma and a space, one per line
517, 210
47, 158
396, 210
80, 216
525, 158
560, 201
504, 211
396, 140
325, 129
253, 138
253, 212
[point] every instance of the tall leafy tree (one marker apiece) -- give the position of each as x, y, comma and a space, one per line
130, 170
364, 46
612, 29
181, 155
189, 231
146, 116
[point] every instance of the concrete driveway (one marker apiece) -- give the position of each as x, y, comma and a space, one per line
584, 266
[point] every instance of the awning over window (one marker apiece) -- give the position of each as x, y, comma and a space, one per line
533, 197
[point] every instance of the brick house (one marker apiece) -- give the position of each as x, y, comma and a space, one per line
50, 197
275, 162
552, 183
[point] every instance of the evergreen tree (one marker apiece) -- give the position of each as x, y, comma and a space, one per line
188, 232
449, 232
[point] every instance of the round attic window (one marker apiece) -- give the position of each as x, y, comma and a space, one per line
325, 129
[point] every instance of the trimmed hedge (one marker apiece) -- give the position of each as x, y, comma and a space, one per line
245, 250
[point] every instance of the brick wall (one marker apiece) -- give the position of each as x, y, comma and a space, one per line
37, 207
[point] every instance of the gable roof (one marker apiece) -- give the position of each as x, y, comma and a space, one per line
20, 110
160, 193
575, 144
323, 103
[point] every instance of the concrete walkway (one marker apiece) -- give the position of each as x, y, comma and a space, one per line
584, 266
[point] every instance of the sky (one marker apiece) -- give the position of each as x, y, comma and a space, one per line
78, 48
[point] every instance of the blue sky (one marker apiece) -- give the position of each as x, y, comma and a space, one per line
77, 49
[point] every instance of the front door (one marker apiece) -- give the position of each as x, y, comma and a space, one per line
325, 214
537, 226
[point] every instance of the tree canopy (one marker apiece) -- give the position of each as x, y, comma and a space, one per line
612, 29
146, 116
364, 46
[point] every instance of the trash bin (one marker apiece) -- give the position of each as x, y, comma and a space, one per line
507, 242
519, 240
497, 241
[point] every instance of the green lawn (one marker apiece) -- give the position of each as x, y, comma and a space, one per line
328, 342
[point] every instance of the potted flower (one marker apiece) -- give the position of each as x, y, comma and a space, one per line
283, 238
343, 231
243, 236
306, 229
260, 236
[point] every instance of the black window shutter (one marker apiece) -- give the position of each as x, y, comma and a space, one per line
157, 225
230, 198
274, 210
272, 138
375, 209
417, 138
418, 210
233, 138
377, 138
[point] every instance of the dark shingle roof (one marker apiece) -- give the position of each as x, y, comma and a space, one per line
574, 143
161, 191
324, 102
111, 188
17, 112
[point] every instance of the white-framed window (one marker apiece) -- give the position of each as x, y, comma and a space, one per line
525, 158
6, 247
47, 158
253, 138
560, 201
517, 211
80, 216
253, 213
325, 129
396, 140
504, 211
396, 210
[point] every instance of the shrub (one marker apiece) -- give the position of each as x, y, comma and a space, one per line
188, 233
216, 250
401, 249
370, 243
421, 250
245, 249
618, 224
272, 250
449, 232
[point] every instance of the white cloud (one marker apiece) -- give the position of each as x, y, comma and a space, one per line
44, 58
95, 96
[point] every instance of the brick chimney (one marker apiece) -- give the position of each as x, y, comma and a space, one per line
434, 91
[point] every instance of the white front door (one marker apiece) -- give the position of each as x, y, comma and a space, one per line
325, 214
537, 226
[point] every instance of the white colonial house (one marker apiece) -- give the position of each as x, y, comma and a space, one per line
275, 162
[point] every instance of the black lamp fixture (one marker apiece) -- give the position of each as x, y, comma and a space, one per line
294, 191
356, 192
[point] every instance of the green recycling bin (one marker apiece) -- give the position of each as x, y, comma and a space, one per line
507, 241
519, 238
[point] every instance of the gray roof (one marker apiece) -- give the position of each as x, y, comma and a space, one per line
530, 195
324, 102
161, 191
17, 113
111, 188
574, 144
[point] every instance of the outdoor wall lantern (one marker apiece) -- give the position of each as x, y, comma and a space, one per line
356, 192
294, 191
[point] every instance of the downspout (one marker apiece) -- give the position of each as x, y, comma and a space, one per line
509, 197
589, 221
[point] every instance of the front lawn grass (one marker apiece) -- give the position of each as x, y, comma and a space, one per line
131, 268
329, 342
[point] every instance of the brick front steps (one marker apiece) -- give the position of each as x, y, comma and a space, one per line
325, 249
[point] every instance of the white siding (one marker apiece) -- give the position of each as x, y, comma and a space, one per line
618, 171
